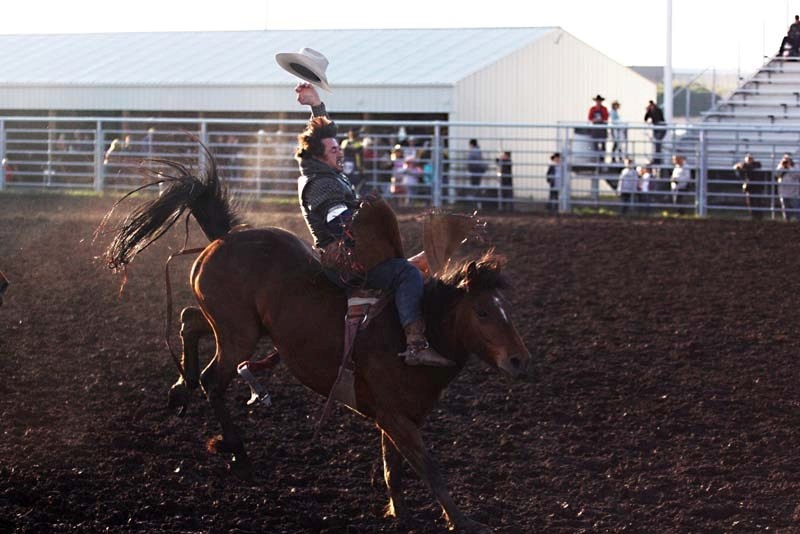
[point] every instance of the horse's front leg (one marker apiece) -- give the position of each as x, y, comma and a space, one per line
405, 435
193, 328
393, 476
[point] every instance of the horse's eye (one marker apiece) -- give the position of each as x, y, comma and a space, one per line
482, 314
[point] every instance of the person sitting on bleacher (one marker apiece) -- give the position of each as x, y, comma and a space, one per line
791, 40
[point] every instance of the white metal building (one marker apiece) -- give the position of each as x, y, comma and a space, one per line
493, 83
488, 75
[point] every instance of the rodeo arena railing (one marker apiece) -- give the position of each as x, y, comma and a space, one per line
423, 164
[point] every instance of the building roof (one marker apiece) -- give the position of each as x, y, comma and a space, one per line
243, 58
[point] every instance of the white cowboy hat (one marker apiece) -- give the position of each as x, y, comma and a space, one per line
308, 65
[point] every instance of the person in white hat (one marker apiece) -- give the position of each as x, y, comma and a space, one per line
328, 201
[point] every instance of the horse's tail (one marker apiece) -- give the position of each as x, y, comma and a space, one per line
205, 196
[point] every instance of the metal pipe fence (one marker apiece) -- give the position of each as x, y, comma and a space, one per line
427, 163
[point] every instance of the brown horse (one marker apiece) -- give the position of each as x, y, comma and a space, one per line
257, 282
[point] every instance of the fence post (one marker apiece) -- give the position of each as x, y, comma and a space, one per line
3, 161
702, 181
564, 204
48, 170
436, 185
260, 140
99, 168
203, 139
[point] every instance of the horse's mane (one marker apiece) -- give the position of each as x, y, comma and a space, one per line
484, 274
487, 275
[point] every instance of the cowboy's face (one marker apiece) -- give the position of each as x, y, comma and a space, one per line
332, 155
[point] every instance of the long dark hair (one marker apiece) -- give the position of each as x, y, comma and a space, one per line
204, 195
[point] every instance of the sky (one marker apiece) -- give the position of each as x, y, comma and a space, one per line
729, 35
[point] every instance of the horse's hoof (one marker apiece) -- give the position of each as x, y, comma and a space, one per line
393, 510
216, 445
468, 526
178, 397
242, 469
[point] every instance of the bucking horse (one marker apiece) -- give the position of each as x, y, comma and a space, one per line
251, 283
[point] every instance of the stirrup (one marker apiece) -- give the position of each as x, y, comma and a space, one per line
258, 393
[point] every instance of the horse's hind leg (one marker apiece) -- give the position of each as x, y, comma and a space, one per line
193, 328
393, 476
231, 349
405, 435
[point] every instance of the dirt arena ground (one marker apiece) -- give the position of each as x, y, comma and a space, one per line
665, 395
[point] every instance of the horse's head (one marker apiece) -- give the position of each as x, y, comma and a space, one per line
483, 323
4, 283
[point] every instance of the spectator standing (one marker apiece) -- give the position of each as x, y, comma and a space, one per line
628, 185
426, 182
398, 187
554, 178
476, 167
371, 162
412, 177
410, 149
598, 115
619, 135
117, 145
644, 188
788, 187
680, 182
506, 181
749, 172
353, 150
655, 116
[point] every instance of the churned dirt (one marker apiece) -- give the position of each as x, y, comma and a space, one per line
664, 396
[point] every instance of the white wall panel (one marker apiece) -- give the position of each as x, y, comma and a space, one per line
217, 98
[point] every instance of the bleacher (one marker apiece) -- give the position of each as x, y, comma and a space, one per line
771, 97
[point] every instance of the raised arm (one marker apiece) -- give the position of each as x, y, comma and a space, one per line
307, 96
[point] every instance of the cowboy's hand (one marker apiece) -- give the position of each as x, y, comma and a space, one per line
332, 255
307, 95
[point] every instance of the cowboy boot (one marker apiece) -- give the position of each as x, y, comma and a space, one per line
258, 392
418, 350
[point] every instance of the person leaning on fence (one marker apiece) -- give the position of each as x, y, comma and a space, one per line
598, 115
655, 116
619, 135
681, 182
506, 180
628, 186
554, 181
788, 187
476, 167
749, 172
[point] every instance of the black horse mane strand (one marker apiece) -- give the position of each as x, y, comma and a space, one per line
206, 197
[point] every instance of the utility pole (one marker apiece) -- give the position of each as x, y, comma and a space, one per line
668, 68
